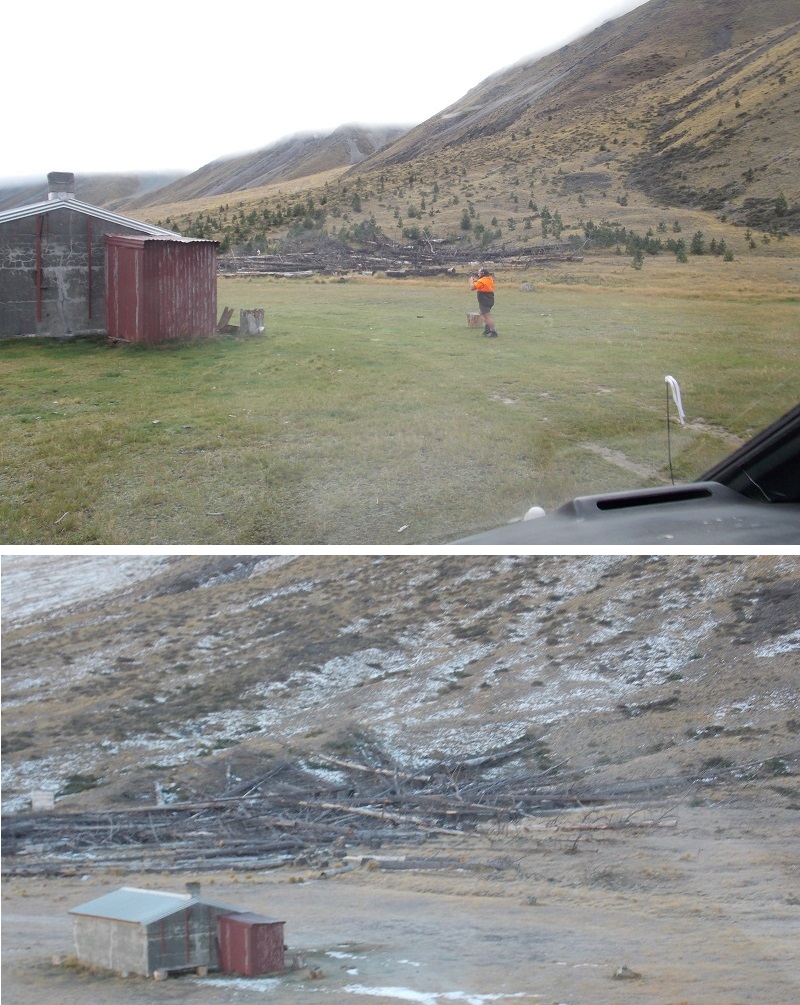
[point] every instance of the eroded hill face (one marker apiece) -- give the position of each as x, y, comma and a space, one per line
187, 672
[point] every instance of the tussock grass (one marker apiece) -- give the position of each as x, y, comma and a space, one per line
368, 413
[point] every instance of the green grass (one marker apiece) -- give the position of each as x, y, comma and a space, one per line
369, 406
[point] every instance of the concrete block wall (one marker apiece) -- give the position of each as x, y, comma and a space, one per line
72, 293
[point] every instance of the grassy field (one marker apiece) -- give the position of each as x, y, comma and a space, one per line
368, 413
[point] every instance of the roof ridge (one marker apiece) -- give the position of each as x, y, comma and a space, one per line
75, 205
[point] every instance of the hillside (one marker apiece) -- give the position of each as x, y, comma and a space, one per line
674, 113
692, 106
193, 675
298, 156
109, 190
652, 44
671, 111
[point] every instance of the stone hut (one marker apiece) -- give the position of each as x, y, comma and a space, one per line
149, 932
55, 279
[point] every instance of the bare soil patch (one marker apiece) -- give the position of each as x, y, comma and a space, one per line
706, 910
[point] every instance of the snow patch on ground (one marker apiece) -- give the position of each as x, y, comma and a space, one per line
432, 997
785, 644
66, 581
265, 985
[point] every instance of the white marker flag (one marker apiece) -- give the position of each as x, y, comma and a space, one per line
676, 396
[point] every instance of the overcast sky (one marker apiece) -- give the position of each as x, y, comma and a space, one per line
171, 85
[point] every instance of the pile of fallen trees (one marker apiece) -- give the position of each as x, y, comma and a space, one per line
289, 816
421, 258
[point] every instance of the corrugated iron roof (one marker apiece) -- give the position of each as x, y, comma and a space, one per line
137, 239
143, 906
248, 918
76, 206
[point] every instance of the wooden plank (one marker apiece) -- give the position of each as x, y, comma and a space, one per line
225, 320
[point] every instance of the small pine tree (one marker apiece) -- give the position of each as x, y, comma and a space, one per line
546, 221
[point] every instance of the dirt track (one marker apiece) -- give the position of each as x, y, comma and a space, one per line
706, 911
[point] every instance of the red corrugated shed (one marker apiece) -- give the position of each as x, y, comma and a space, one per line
249, 944
158, 288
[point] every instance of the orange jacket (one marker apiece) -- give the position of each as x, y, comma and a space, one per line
484, 284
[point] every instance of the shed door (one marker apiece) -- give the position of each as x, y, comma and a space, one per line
123, 291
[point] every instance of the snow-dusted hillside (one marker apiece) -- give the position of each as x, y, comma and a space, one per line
189, 672
37, 587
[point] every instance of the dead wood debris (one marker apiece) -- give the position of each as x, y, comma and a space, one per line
287, 816
423, 258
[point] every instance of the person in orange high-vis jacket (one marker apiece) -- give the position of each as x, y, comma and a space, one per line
483, 284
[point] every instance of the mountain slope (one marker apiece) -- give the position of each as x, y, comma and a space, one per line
691, 104
646, 44
188, 671
298, 156
725, 136
109, 190
676, 105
